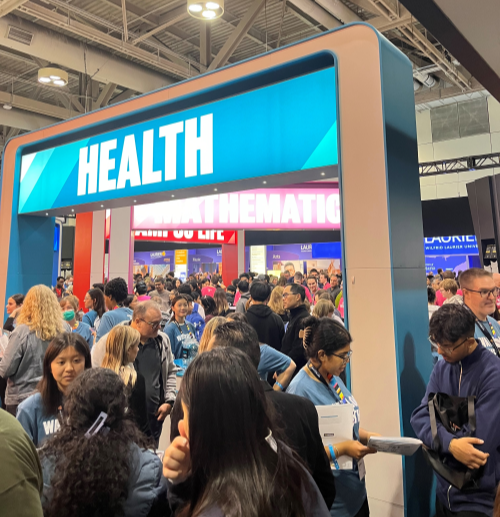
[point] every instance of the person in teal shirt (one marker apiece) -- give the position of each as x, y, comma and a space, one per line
179, 331
327, 345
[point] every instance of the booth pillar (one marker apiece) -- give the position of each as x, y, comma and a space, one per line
89, 252
233, 259
121, 245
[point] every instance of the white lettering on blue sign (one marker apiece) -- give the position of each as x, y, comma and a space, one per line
95, 163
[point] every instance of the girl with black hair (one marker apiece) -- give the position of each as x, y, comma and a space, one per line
94, 301
230, 449
66, 357
327, 345
209, 307
98, 464
180, 332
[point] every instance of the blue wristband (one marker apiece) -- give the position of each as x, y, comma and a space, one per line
279, 385
334, 458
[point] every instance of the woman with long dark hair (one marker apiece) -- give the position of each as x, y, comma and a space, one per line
327, 345
221, 303
180, 332
122, 347
98, 464
230, 448
14, 304
94, 301
209, 307
67, 356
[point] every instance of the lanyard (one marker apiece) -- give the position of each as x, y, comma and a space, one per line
336, 388
187, 326
488, 335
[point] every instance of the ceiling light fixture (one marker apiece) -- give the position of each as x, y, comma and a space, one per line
206, 11
54, 76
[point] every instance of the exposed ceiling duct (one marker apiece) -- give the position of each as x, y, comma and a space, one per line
339, 11
314, 11
72, 54
425, 78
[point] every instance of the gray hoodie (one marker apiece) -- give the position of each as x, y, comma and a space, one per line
21, 364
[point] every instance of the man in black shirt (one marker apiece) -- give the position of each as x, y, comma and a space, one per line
268, 325
293, 301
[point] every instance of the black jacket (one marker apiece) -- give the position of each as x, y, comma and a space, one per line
292, 344
269, 326
298, 418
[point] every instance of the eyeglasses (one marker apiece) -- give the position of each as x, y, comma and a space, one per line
448, 350
155, 325
346, 357
485, 293
285, 295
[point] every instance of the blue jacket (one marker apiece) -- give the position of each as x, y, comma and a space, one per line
197, 321
480, 377
146, 482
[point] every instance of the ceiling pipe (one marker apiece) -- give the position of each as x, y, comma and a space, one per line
423, 77
74, 55
314, 11
340, 11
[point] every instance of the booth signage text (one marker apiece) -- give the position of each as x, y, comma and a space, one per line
197, 236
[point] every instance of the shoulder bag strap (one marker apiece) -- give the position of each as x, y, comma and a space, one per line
472, 414
432, 415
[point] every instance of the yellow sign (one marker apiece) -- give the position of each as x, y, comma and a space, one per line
181, 257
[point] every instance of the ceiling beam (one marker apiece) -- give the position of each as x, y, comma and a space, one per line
25, 120
205, 43
97, 36
435, 94
71, 54
253, 34
41, 108
125, 23
339, 11
10, 5
105, 95
126, 94
237, 35
420, 41
366, 5
170, 18
383, 24
314, 11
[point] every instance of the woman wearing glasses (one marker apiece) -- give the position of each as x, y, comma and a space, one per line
327, 346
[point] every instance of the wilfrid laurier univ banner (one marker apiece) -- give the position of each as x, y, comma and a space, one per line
286, 127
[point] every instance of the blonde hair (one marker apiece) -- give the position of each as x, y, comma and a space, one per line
323, 308
215, 322
449, 285
119, 341
73, 300
41, 313
276, 300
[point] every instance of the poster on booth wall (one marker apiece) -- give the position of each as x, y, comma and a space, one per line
330, 265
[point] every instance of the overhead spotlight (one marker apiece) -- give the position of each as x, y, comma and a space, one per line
206, 11
54, 76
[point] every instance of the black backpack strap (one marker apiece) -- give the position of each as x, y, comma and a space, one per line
472, 414
432, 416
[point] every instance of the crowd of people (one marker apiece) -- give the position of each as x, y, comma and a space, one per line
87, 389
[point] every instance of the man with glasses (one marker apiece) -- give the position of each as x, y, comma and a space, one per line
155, 362
293, 301
467, 370
480, 295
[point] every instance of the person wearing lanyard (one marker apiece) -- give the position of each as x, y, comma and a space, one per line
179, 330
480, 294
327, 345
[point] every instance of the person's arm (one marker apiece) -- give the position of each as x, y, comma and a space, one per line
98, 352
175, 347
14, 352
285, 377
168, 374
104, 327
240, 307
86, 319
138, 405
420, 419
364, 436
27, 420
281, 329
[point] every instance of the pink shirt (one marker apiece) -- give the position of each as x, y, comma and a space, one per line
143, 298
208, 291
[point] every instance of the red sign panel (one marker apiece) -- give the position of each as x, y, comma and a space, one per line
196, 236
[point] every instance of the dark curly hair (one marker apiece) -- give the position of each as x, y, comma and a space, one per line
117, 290
323, 334
91, 475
